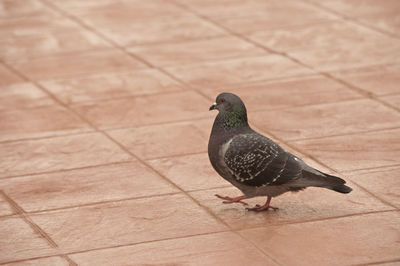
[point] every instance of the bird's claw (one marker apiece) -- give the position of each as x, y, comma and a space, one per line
229, 200
259, 208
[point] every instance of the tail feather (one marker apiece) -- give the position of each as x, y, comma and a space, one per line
319, 179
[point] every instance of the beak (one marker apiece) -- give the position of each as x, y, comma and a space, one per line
212, 107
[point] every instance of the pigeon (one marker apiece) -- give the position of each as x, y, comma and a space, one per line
255, 164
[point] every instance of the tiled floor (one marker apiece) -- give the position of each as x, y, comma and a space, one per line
104, 126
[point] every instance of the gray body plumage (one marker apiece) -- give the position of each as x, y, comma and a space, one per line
254, 163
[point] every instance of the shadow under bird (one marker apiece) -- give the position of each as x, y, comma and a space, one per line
254, 163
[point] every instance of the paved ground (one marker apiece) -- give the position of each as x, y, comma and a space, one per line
104, 129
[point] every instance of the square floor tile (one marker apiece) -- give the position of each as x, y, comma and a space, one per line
215, 249
111, 85
388, 21
352, 152
275, 18
334, 58
16, 48
356, 8
323, 35
145, 110
190, 172
150, 142
22, 8
327, 119
219, 48
310, 204
393, 100
50, 120
31, 25
127, 222
383, 182
348, 240
238, 71
157, 30
18, 241
82, 63
377, 79
50, 154
54, 261
289, 92
85, 186
22, 95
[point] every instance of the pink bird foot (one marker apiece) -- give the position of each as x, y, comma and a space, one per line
229, 200
265, 207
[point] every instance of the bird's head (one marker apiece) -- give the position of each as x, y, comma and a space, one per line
231, 109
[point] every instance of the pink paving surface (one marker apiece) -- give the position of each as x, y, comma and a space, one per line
105, 123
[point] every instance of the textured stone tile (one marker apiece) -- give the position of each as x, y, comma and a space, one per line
388, 21
54, 261
82, 63
170, 54
351, 152
337, 34
393, 100
360, 8
22, 8
275, 18
327, 119
190, 172
377, 79
22, 95
289, 92
85, 186
31, 25
214, 249
5, 207
19, 241
351, 240
310, 204
104, 12
334, 59
7, 77
43, 155
145, 110
150, 142
129, 31
43, 121
111, 85
236, 71
383, 182
127, 222
32, 46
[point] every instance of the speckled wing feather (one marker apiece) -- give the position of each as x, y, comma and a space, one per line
255, 160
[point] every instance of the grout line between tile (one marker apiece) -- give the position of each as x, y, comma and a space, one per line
353, 20
70, 261
62, 170
316, 220
377, 262
91, 29
374, 195
286, 55
101, 202
382, 167
117, 246
345, 134
22, 214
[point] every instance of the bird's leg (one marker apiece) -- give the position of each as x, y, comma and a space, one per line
228, 200
266, 206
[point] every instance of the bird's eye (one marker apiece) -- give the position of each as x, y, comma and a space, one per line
222, 100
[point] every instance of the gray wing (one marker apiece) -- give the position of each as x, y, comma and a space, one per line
255, 160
